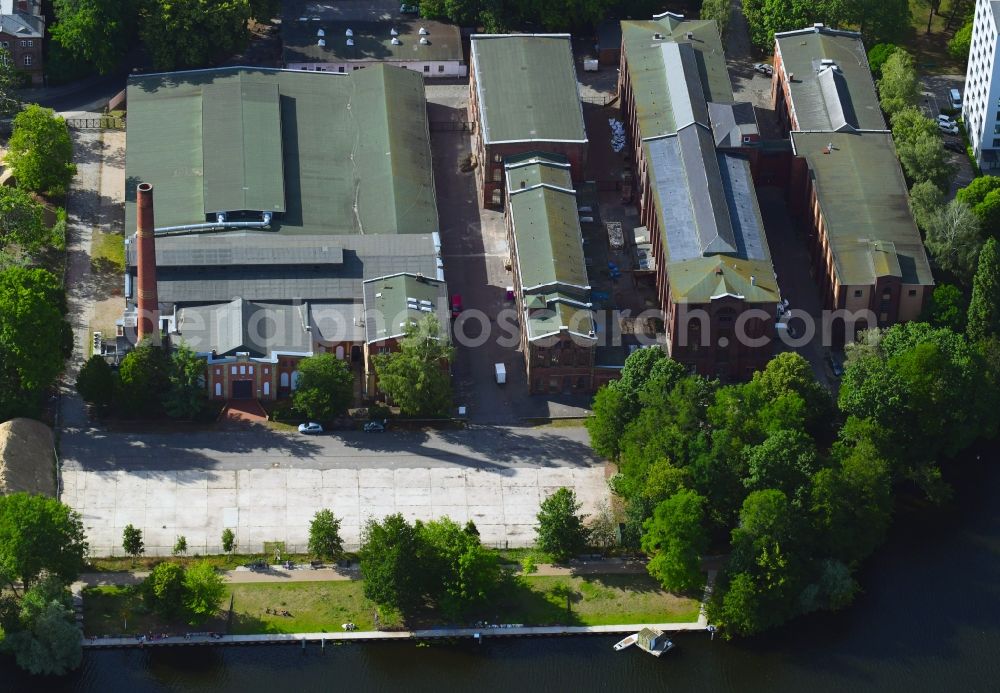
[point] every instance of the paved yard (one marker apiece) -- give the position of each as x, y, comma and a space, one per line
277, 504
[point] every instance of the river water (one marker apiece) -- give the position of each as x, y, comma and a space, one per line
928, 620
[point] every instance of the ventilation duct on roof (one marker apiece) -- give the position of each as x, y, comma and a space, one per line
321, 43
349, 33
424, 41
395, 41
393, 32
321, 33
350, 42
423, 31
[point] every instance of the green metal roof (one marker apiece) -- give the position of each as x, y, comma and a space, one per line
703, 279
527, 88
242, 121
354, 149
838, 94
650, 73
546, 225
561, 312
862, 196
394, 301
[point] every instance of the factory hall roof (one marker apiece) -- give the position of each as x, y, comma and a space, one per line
324, 153
527, 88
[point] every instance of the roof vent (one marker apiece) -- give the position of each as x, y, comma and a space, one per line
753, 280
657, 36
423, 31
349, 32
818, 25
690, 36
321, 43
827, 62
424, 41
320, 33
393, 32
395, 41
350, 42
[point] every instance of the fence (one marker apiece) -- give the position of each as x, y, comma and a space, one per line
263, 548
101, 123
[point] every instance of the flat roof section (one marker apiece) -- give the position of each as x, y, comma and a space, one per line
527, 88
863, 198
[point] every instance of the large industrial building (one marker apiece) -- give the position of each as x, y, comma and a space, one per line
280, 197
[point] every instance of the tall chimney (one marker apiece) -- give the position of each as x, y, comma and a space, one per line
148, 305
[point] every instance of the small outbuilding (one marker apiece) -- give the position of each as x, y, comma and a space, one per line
27, 455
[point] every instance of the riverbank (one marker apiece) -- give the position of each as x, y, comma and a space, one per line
278, 607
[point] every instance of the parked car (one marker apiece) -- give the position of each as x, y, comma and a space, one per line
955, 98
375, 426
950, 128
834, 364
409, 9
764, 68
311, 427
456, 305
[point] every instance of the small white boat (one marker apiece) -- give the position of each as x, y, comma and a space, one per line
626, 642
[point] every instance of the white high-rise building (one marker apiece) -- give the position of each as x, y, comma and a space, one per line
981, 101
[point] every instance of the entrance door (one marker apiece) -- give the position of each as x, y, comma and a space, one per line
242, 389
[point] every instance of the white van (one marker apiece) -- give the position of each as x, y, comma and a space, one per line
956, 99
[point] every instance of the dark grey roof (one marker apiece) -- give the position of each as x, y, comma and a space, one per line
337, 322
186, 274
706, 197
22, 25
259, 329
731, 121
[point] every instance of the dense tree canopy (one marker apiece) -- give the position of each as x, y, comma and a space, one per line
954, 238
39, 534
416, 377
462, 574
325, 387
390, 563
878, 20
899, 86
43, 635
982, 194
95, 31
203, 590
40, 152
984, 308
21, 221
186, 396
324, 536
144, 375
34, 338
675, 540
561, 532
192, 33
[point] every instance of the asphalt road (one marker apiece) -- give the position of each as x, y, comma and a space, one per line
261, 448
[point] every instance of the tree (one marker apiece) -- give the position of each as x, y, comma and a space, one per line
203, 589
186, 396
983, 195
899, 86
765, 17
909, 123
132, 542
324, 536
164, 591
462, 573
47, 640
953, 239
719, 10
878, 20
96, 383
947, 308
21, 221
228, 540
960, 44
97, 32
34, 338
40, 151
144, 373
39, 534
924, 159
325, 387
561, 532
878, 54
984, 307
675, 539
10, 81
180, 546
191, 33
416, 377
926, 202
264, 10
786, 460
389, 563
603, 528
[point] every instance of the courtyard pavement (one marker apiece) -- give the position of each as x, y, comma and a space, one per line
266, 485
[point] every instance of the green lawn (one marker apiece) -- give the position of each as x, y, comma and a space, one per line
316, 607
107, 252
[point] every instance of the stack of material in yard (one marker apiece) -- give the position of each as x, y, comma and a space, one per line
26, 458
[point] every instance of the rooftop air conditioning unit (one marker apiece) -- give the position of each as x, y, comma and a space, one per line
395, 41
393, 32
321, 43
423, 31
321, 33
424, 41
350, 42
348, 33
690, 36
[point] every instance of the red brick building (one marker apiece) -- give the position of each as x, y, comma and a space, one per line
22, 33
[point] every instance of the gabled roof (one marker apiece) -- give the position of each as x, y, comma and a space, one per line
546, 225
705, 279
527, 88
832, 88
558, 314
392, 302
731, 122
354, 154
22, 25
863, 198
259, 329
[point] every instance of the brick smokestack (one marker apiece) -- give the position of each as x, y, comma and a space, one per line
148, 304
